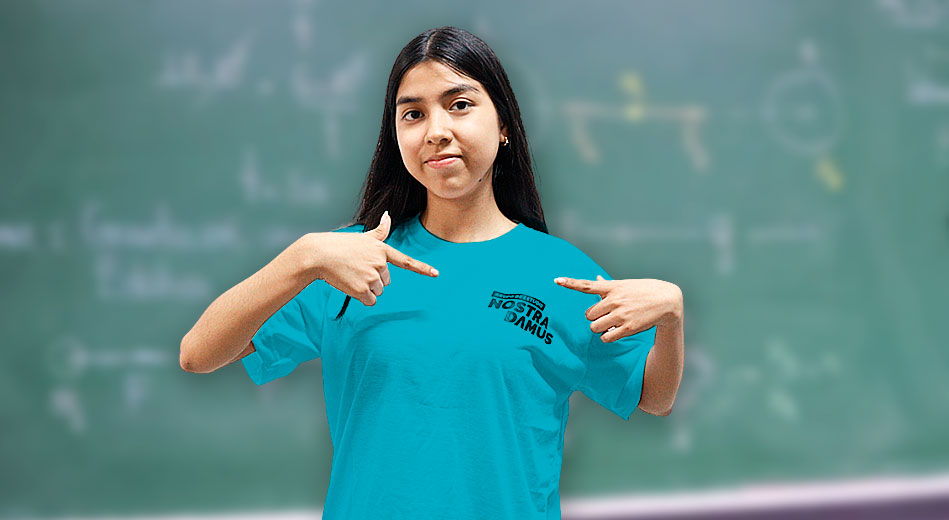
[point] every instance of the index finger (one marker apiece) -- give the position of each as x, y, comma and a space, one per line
396, 257
587, 286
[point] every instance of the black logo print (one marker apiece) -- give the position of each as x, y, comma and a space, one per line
524, 311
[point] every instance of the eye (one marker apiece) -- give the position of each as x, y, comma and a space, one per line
468, 103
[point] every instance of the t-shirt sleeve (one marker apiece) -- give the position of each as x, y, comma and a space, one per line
294, 333
615, 370
291, 336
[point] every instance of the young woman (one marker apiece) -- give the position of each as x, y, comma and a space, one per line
447, 389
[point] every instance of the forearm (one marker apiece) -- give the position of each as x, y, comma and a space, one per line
226, 327
664, 365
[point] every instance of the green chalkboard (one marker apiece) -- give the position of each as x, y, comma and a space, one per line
785, 163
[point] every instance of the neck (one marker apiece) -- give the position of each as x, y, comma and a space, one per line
471, 220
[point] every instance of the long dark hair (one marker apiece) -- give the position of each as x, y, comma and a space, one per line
390, 186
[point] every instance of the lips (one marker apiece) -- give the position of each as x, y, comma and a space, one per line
442, 158
440, 163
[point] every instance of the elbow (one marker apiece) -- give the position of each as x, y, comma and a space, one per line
184, 359
658, 411
667, 410
187, 361
186, 364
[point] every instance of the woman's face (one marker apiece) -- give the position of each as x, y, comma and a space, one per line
463, 122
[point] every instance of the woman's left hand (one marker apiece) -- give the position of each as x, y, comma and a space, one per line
628, 306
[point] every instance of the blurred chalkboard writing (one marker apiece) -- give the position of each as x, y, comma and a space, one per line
784, 163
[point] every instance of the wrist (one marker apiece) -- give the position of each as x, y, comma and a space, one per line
305, 257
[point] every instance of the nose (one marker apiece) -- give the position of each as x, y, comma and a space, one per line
439, 127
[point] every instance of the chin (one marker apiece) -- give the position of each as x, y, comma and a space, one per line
444, 192
451, 188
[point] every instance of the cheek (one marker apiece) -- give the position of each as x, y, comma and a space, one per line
487, 137
411, 138
480, 148
406, 146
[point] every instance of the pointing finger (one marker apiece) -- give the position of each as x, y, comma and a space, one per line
396, 257
587, 286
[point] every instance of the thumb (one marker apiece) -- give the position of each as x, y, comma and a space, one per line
599, 277
381, 231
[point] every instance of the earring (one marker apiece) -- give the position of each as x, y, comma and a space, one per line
505, 141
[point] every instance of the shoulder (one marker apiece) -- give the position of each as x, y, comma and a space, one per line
567, 254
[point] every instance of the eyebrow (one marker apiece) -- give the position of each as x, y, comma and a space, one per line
457, 89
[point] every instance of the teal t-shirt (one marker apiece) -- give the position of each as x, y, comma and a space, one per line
448, 398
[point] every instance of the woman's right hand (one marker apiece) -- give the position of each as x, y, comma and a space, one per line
358, 263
